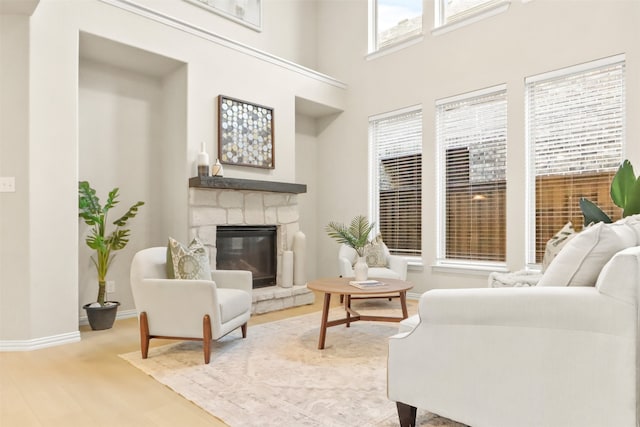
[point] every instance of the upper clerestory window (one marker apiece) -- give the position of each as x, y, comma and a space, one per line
394, 21
451, 14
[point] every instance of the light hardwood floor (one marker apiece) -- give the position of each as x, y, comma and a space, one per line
86, 383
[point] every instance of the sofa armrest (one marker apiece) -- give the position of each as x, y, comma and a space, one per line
570, 308
234, 279
398, 264
345, 267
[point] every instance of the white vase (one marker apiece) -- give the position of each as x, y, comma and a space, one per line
361, 269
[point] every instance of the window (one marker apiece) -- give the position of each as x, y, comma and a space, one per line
575, 129
396, 151
450, 12
393, 21
471, 133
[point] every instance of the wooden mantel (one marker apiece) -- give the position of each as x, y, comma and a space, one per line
245, 184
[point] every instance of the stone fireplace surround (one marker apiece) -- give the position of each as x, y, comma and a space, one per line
217, 201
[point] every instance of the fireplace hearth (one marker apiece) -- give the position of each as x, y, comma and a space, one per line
247, 247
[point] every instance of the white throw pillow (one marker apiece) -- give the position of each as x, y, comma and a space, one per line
580, 261
556, 243
632, 221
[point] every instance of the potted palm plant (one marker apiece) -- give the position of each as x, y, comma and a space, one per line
625, 193
356, 236
102, 314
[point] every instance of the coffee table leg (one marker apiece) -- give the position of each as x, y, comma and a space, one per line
403, 303
347, 306
325, 317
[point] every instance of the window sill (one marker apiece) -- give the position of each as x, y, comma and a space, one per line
480, 15
395, 47
470, 268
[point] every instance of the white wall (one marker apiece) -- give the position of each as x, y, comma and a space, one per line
288, 30
528, 39
306, 172
62, 144
14, 162
120, 124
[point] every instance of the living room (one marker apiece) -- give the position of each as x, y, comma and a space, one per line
123, 93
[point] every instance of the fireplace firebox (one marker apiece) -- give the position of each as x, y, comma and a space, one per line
248, 247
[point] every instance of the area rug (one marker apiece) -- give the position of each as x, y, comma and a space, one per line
278, 377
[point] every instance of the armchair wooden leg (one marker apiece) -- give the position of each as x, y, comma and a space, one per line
406, 414
144, 335
206, 338
244, 330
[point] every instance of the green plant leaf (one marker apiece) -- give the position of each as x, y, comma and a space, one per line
622, 184
592, 213
632, 206
355, 236
131, 213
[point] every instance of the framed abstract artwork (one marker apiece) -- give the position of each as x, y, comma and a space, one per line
245, 133
245, 12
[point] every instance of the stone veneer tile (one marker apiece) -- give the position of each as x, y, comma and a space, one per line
253, 209
270, 216
207, 216
235, 216
288, 214
231, 199
300, 289
276, 200
203, 197
304, 299
207, 234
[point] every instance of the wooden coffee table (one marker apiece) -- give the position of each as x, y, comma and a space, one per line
341, 286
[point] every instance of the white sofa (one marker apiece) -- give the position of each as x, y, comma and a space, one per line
534, 356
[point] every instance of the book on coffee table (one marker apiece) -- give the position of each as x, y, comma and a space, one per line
366, 284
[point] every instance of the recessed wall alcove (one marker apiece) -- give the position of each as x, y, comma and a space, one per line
132, 131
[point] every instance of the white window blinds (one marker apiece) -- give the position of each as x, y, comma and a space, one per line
575, 122
396, 147
471, 132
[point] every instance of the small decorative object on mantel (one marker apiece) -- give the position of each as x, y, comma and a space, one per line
203, 162
217, 169
245, 133
357, 237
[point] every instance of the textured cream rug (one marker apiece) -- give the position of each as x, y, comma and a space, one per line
278, 377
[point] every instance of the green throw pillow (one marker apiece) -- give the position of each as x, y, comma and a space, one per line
190, 262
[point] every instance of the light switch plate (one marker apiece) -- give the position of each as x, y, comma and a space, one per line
7, 184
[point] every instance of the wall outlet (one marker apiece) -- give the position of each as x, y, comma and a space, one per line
111, 286
7, 184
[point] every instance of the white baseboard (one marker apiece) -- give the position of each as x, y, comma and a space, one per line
122, 314
38, 343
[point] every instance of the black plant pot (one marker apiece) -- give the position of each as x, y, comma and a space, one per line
102, 317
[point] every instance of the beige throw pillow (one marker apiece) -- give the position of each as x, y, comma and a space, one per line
556, 243
376, 253
190, 262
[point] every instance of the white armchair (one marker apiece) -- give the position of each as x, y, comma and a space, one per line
396, 266
197, 310
527, 357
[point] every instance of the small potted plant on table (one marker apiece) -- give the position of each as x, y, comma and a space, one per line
102, 314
